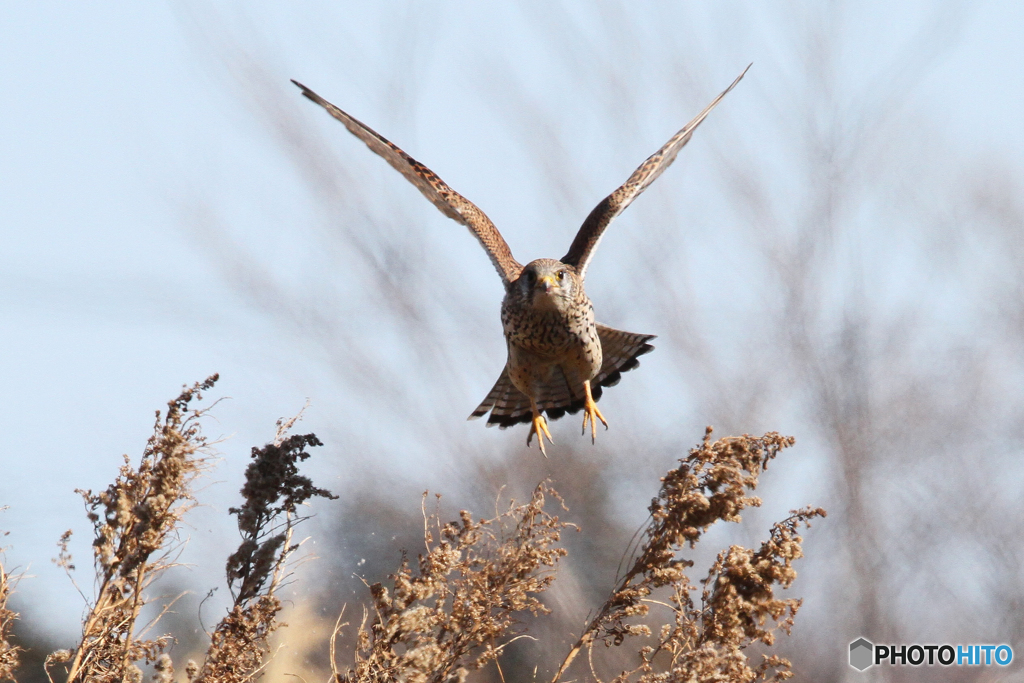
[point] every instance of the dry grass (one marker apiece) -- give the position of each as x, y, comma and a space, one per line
135, 521
738, 606
457, 611
273, 491
9, 652
454, 611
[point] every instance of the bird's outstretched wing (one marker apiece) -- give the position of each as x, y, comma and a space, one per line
589, 235
450, 202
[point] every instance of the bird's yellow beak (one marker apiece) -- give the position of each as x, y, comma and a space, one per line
547, 282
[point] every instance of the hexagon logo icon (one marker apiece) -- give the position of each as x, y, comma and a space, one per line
861, 654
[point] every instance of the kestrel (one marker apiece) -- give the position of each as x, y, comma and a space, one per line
559, 357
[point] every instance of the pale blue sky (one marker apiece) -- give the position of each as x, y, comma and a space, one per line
119, 118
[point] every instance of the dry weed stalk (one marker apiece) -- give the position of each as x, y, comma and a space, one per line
134, 519
460, 607
457, 612
738, 605
273, 491
9, 653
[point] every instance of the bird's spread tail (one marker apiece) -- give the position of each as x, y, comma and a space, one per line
621, 351
509, 406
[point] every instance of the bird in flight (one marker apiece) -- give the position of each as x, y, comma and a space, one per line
559, 357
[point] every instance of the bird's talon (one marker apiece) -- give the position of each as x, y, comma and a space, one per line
591, 414
539, 427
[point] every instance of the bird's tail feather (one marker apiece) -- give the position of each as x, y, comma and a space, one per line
509, 406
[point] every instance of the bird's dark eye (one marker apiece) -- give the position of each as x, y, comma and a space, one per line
561, 275
531, 276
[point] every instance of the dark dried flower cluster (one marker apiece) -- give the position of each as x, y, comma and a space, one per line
9, 653
134, 521
273, 491
738, 605
457, 611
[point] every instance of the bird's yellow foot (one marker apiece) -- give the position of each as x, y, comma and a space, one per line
591, 414
540, 428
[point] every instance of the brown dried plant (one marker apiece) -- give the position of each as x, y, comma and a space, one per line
458, 610
134, 522
465, 600
273, 491
738, 604
9, 653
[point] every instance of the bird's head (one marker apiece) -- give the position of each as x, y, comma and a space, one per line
548, 284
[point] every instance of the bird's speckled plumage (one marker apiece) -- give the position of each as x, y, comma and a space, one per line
559, 357
551, 335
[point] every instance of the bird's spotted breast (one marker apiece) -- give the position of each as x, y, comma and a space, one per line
542, 342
